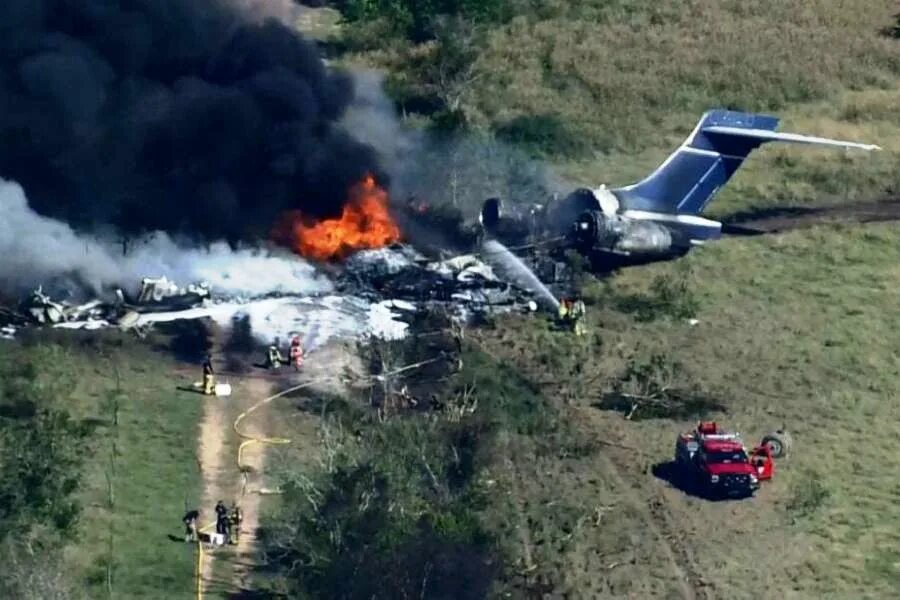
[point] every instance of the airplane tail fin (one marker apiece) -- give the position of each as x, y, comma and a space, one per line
690, 177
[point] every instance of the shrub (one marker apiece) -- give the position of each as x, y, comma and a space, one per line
670, 294
808, 495
415, 19
657, 388
543, 134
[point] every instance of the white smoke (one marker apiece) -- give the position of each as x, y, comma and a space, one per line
36, 250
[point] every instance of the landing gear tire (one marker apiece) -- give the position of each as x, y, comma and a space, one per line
779, 443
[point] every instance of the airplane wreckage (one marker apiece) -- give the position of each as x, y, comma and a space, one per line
659, 217
376, 293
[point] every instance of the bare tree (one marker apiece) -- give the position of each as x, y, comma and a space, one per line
451, 69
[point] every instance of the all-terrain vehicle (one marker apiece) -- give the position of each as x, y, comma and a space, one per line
716, 464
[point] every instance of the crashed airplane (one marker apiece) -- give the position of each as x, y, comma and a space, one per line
658, 217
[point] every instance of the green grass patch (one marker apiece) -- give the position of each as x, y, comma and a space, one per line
404, 503
794, 330
140, 471
606, 90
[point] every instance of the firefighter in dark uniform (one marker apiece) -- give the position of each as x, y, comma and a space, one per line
221, 519
190, 520
235, 517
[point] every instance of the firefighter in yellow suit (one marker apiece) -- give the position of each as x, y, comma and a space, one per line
209, 382
565, 310
576, 314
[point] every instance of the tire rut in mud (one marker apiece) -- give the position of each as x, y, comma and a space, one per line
652, 508
781, 219
637, 488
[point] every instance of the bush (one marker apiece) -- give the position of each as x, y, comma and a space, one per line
808, 495
657, 388
543, 134
894, 30
670, 294
415, 19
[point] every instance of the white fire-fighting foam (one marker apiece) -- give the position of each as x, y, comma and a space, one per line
316, 320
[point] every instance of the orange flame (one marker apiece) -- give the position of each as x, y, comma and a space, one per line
364, 223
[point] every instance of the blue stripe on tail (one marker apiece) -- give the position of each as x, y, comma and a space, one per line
687, 180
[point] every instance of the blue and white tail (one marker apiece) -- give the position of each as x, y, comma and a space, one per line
689, 178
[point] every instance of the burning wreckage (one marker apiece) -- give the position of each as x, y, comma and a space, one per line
374, 293
379, 284
366, 282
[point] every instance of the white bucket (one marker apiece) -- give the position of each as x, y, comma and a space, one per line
217, 539
223, 389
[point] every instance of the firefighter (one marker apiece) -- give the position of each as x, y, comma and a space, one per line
190, 520
577, 315
209, 384
221, 519
274, 358
235, 517
564, 309
565, 313
296, 353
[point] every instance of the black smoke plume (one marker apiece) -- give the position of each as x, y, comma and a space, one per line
176, 115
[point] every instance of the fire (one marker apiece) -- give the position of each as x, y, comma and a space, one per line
364, 223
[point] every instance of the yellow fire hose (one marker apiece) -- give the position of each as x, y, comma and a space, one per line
248, 440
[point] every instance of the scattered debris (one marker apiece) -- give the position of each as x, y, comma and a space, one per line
379, 293
160, 294
39, 308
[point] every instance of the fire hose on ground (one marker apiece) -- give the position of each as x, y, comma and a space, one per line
249, 439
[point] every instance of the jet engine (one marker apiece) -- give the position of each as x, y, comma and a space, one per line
594, 230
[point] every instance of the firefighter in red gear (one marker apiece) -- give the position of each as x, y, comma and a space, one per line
296, 353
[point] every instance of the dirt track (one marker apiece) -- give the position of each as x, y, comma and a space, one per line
229, 570
776, 220
710, 545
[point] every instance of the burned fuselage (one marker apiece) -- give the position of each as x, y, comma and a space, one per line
588, 221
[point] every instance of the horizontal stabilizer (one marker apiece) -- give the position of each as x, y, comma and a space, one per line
776, 136
692, 175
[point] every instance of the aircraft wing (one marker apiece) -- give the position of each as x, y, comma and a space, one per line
766, 135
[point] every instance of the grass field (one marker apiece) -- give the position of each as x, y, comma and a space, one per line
793, 330
605, 90
148, 461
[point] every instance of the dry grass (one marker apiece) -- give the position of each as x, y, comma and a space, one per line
794, 330
606, 89
625, 72
632, 78
789, 175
